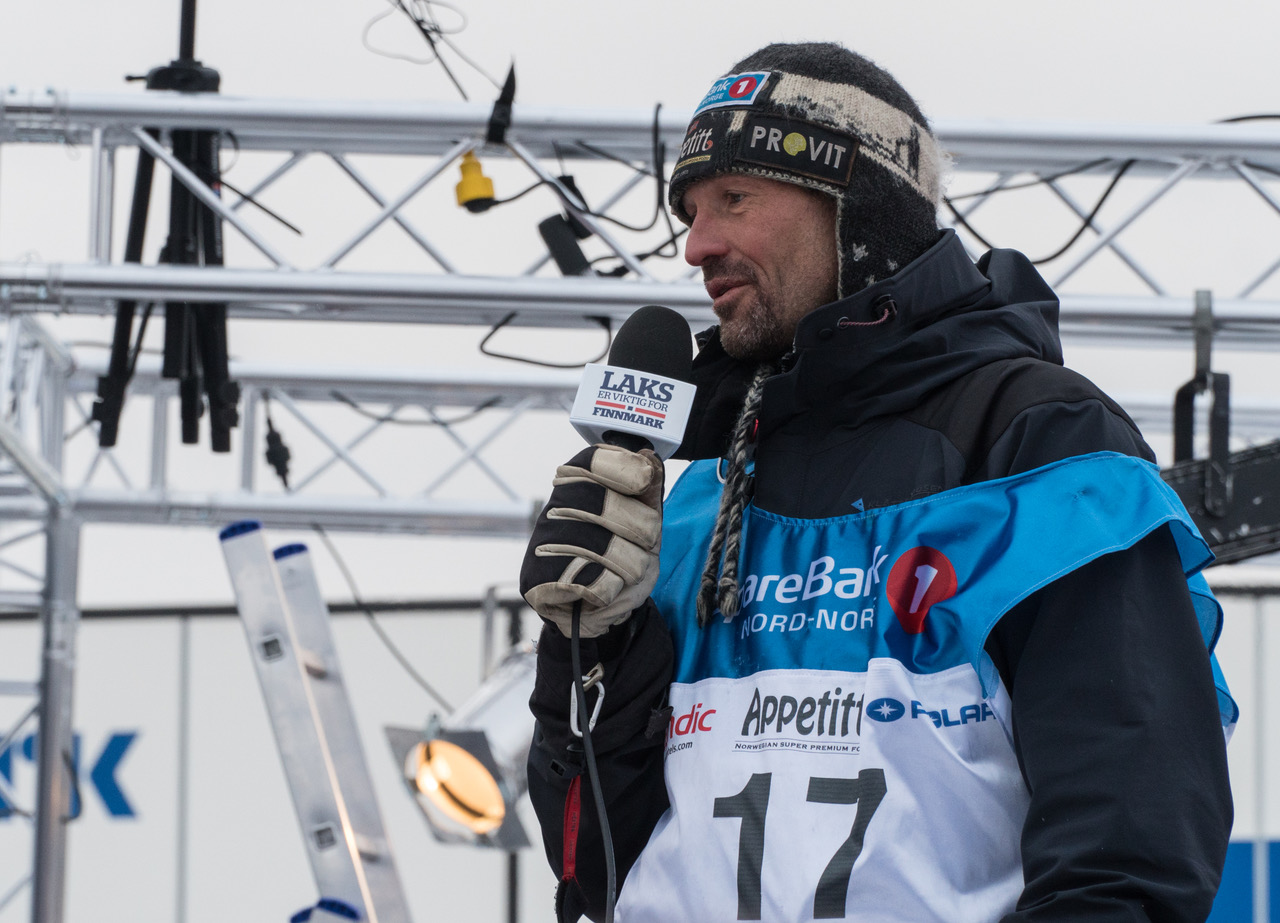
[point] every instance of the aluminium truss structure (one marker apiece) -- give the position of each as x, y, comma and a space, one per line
45, 386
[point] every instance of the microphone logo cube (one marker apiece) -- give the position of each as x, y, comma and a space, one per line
622, 400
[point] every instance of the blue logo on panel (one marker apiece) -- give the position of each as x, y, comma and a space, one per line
100, 776
886, 710
734, 90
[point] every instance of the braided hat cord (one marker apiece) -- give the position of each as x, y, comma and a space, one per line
726, 538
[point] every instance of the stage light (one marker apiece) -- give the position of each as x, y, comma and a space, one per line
458, 784
467, 771
562, 243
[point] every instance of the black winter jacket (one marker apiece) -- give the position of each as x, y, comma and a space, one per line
960, 382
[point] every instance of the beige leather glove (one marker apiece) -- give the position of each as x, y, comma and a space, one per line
597, 539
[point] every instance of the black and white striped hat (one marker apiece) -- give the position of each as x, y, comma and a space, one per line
821, 116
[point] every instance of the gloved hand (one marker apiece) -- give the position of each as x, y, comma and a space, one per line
596, 540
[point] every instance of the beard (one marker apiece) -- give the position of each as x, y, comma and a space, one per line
755, 330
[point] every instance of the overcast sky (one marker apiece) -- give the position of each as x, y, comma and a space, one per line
1083, 59
1107, 61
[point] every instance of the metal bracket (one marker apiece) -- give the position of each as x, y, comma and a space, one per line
1217, 472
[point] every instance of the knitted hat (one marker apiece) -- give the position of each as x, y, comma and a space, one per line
820, 116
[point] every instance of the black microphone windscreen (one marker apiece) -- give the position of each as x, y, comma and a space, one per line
656, 340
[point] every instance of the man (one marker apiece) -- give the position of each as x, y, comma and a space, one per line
931, 652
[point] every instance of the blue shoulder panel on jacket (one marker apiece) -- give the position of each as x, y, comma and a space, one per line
921, 582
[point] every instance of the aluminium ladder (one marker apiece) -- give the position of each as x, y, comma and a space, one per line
287, 626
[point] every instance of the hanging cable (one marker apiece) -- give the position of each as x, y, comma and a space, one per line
622, 268
523, 192
389, 418
1029, 184
658, 173
220, 180
76, 798
659, 170
277, 452
602, 321
376, 625
1084, 224
278, 458
593, 771
950, 201
423, 16
1258, 117
142, 331
260, 207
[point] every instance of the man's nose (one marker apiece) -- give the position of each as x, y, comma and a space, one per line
703, 242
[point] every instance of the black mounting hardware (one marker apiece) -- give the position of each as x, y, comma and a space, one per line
1233, 498
195, 340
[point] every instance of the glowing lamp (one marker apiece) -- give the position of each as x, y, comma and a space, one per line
467, 771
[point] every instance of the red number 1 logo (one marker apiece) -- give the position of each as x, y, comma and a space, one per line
919, 578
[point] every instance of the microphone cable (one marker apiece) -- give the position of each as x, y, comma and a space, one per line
593, 773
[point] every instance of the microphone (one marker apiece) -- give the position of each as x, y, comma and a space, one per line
642, 398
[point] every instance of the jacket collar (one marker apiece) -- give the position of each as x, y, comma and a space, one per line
884, 348
938, 280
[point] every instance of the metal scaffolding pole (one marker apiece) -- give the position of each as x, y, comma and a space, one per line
60, 620
398, 127
33, 397
434, 299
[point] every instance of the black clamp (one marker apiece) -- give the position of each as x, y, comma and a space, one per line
1217, 471
500, 117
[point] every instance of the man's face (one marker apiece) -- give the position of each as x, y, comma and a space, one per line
767, 250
